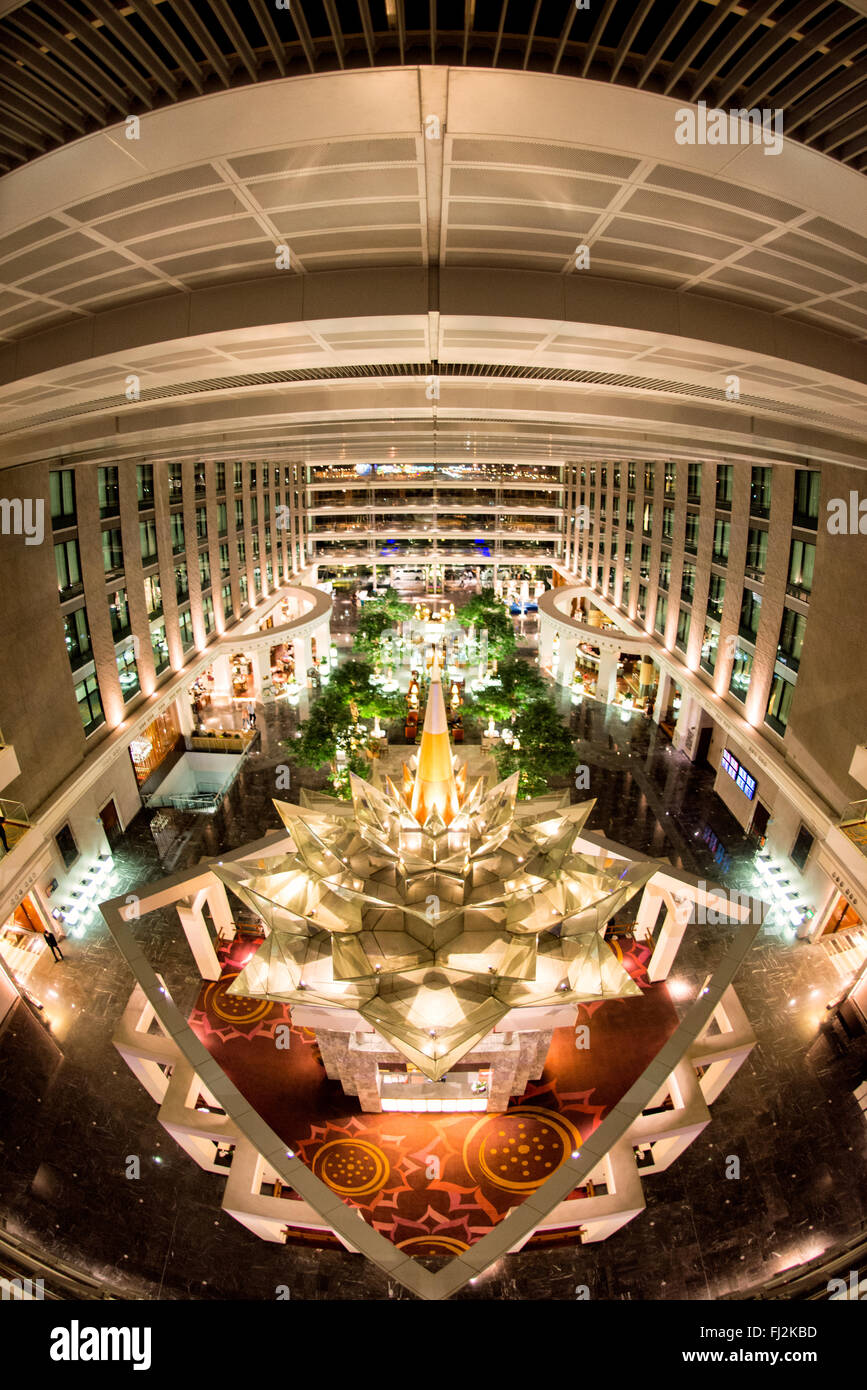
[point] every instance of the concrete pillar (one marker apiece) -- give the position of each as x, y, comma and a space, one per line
184, 713
222, 676
645, 676
663, 695
687, 726
218, 901
668, 943
196, 932
546, 641
648, 913
303, 658
606, 681
262, 674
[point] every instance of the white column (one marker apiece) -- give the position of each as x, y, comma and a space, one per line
546, 641
196, 931
667, 943
303, 658
648, 913
687, 726
663, 693
222, 676
262, 674
184, 713
218, 902
606, 681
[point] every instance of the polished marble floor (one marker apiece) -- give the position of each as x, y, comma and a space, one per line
71, 1113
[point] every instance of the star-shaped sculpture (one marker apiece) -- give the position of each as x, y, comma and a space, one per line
433, 910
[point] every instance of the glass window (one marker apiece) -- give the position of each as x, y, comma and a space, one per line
254, 510
724, 486
242, 550
721, 538
68, 563
185, 627
89, 703
224, 561
808, 485
77, 636
239, 476
176, 522
738, 773
642, 601
208, 612
118, 612
683, 625
670, 479
709, 645
153, 596
204, 569
239, 514
182, 583
751, 612
201, 522
222, 519
648, 477
61, 487
760, 492
228, 608
665, 569
630, 513
630, 477
690, 539
176, 485
801, 848
792, 630
742, 669
661, 612
145, 485
780, 703
201, 480
160, 647
687, 582
220, 477
757, 549
647, 519
802, 561
668, 522
112, 551
693, 485
645, 560
127, 670
242, 589
147, 531
109, 493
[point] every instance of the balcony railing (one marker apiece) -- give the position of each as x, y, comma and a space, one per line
17, 821
853, 823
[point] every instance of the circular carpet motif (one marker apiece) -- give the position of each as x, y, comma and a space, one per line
518, 1150
351, 1167
433, 1245
234, 1008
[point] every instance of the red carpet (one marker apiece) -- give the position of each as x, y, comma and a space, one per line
433, 1184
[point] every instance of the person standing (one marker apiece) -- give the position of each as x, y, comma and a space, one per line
51, 942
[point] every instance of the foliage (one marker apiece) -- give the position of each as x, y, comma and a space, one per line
485, 610
520, 683
546, 750
377, 617
331, 722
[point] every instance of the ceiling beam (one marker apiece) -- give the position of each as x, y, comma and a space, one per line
811, 79
596, 36
269, 33
170, 40
94, 41
737, 38
502, 26
34, 60
236, 36
664, 38
141, 51
303, 33
367, 27
571, 12
851, 76
632, 28
811, 42
337, 32
697, 43
530, 33
75, 57
779, 33
39, 94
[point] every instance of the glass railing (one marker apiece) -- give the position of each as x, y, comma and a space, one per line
853, 823
16, 822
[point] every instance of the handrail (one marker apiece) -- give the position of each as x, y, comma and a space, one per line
14, 811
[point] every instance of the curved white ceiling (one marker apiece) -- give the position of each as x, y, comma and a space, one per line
156, 257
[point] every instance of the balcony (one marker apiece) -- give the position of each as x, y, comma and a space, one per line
853, 824
17, 821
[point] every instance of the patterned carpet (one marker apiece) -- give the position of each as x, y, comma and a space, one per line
433, 1184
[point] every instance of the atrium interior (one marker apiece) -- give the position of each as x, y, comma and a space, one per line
433, 732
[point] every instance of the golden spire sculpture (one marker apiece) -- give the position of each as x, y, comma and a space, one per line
435, 784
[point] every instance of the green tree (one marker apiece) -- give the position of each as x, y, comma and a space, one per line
520, 683
352, 683
547, 750
485, 610
378, 617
